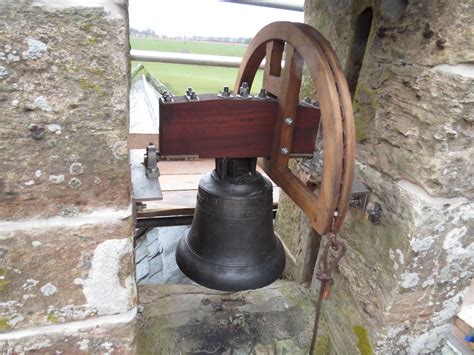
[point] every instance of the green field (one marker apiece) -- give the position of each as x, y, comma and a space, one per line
203, 79
195, 47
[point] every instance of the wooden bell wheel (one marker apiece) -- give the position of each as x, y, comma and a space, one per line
300, 44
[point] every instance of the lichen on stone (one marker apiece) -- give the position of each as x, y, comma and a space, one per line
3, 280
35, 50
52, 318
3, 324
363, 343
365, 103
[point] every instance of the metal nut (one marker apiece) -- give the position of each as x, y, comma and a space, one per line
289, 121
284, 150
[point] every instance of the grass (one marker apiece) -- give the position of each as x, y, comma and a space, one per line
195, 47
203, 79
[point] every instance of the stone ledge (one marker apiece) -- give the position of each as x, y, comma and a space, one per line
95, 217
109, 334
51, 276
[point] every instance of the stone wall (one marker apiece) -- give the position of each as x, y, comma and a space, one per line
402, 281
66, 260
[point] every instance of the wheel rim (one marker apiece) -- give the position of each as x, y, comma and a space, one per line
306, 45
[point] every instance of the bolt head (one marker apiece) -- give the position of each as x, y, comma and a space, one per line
244, 91
289, 121
284, 150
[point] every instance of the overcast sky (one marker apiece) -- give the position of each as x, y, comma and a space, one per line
204, 17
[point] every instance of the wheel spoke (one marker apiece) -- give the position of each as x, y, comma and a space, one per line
272, 71
288, 99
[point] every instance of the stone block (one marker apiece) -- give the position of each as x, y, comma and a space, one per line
192, 319
101, 338
420, 130
404, 279
63, 110
57, 275
424, 33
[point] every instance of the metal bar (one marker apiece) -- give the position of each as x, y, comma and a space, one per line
284, 5
186, 58
168, 221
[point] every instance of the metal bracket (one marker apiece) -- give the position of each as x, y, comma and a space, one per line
359, 196
151, 162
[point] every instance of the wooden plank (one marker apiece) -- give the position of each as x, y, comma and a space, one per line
141, 140
201, 166
213, 127
180, 182
175, 202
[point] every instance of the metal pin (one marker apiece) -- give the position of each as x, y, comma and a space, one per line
284, 150
289, 121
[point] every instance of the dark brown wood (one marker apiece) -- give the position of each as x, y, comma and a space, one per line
302, 41
215, 127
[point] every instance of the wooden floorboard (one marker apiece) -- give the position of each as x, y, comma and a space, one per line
179, 182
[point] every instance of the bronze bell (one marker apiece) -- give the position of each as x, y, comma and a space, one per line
231, 245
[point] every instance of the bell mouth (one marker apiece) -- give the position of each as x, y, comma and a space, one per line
230, 277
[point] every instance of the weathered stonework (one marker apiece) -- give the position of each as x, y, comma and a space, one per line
106, 337
34, 289
63, 105
186, 319
66, 255
402, 281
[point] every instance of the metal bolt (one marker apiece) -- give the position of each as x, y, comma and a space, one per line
284, 150
289, 121
189, 91
262, 94
167, 97
244, 90
193, 95
225, 92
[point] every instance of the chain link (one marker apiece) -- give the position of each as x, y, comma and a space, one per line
328, 263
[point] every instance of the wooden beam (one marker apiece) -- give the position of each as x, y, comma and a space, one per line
215, 127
